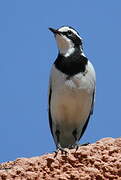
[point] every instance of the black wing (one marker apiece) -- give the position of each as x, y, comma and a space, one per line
49, 111
91, 112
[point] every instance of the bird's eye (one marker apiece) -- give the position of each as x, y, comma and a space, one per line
69, 32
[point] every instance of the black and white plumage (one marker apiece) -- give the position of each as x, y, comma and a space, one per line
71, 89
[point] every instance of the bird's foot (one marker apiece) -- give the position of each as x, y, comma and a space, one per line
76, 146
79, 145
59, 148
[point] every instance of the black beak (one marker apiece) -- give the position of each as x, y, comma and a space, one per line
54, 31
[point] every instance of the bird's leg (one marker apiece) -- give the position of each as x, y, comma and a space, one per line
76, 144
75, 134
58, 147
79, 145
75, 137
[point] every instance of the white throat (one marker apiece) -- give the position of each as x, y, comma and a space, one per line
65, 45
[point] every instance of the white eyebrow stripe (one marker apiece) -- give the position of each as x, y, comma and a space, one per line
66, 29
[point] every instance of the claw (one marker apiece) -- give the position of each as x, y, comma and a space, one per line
76, 146
59, 148
79, 145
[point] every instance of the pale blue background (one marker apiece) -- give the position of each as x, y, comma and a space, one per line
27, 51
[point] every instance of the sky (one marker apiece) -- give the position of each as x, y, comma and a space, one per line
27, 52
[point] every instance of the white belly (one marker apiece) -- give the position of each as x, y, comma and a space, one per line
70, 109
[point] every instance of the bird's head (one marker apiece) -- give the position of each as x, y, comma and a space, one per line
67, 40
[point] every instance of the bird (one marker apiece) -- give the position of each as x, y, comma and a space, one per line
72, 86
